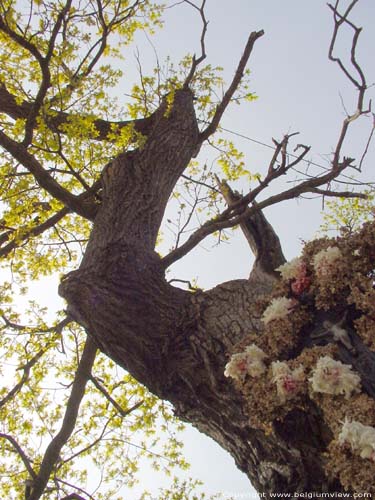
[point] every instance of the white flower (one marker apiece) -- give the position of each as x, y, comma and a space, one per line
237, 366
255, 357
279, 308
288, 382
334, 377
250, 362
361, 438
292, 269
327, 261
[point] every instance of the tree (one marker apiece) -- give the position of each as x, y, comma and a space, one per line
81, 180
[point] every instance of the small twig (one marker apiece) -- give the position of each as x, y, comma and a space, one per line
114, 403
339, 194
367, 144
21, 453
25, 377
212, 188
233, 86
195, 62
236, 214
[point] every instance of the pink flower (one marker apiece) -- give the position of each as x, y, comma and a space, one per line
289, 384
249, 362
300, 285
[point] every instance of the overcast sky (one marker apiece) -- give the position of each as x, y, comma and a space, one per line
299, 90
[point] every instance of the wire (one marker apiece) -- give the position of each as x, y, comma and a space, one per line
256, 141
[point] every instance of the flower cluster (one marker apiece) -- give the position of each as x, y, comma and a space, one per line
361, 438
288, 382
327, 261
292, 269
279, 308
334, 377
250, 362
296, 272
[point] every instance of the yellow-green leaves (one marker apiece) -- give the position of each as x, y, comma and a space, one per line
348, 214
231, 160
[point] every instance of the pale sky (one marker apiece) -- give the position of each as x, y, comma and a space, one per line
299, 90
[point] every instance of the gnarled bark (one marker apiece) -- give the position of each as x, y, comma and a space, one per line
173, 341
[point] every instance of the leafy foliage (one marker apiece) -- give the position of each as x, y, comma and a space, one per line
348, 215
60, 63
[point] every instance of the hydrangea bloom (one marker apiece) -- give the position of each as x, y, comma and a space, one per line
288, 382
256, 358
327, 261
361, 438
333, 377
292, 269
278, 308
250, 362
300, 285
295, 271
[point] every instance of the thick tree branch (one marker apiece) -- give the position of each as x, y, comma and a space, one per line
79, 204
20, 40
263, 240
35, 231
230, 218
104, 129
211, 129
52, 453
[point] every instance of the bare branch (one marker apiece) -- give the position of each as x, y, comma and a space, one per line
200, 183
195, 62
20, 40
339, 194
235, 215
260, 235
359, 82
233, 86
340, 19
367, 143
74, 496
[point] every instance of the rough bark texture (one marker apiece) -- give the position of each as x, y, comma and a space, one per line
173, 341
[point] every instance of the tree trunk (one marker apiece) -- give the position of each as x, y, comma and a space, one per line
176, 342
